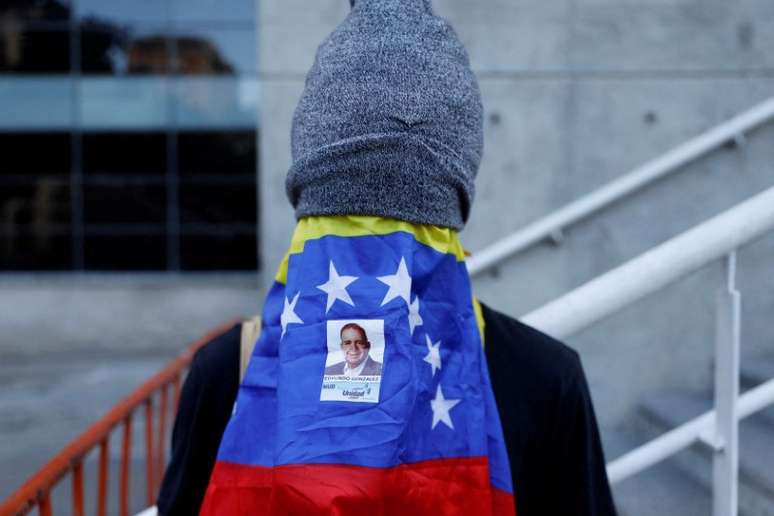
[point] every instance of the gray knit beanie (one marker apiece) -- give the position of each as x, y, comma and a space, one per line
390, 120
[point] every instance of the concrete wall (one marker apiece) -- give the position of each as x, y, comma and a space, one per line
57, 318
576, 93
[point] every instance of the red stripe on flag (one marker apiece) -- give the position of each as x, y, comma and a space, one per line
438, 487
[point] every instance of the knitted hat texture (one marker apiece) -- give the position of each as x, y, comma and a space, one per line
390, 120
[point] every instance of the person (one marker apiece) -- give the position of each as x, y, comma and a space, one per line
355, 347
478, 412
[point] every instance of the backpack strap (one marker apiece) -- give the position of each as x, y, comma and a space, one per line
251, 330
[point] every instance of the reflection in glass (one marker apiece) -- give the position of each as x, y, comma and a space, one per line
97, 125
34, 224
125, 10
216, 102
215, 11
35, 10
36, 103
124, 103
26, 50
216, 51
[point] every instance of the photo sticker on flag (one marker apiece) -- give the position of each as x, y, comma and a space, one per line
353, 367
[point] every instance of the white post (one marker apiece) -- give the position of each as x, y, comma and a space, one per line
727, 343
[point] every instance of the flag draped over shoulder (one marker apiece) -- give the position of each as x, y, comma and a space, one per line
368, 390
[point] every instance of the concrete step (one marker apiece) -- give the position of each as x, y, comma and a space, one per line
757, 370
660, 490
754, 371
756, 450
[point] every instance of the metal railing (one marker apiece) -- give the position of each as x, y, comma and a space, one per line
552, 226
70, 461
717, 238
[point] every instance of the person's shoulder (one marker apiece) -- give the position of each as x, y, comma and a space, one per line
219, 355
372, 367
527, 349
335, 368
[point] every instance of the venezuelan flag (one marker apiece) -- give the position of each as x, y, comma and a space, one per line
368, 390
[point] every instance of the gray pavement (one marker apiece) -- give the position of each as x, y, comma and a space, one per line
46, 403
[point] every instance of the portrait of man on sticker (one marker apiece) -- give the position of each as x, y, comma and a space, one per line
355, 347
354, 362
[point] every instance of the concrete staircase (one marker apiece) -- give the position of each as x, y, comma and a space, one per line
682, 485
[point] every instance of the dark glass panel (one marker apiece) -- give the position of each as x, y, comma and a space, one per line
17, 11
124, 204
122, 11
29, 50
214, 11
34, 225
217, 153
125, 153
224, 251
126, 252
217, 204
32, 249
35, 153
43, 204
206, 51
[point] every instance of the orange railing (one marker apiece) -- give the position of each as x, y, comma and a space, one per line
37, 490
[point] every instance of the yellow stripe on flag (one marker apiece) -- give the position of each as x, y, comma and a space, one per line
443, 240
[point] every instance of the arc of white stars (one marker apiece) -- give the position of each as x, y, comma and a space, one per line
433, 356
399, 283
336, 287
441, 407
414, 318
289, 315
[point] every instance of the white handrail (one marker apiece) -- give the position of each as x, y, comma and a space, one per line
656, 268
716, 238
684, 435
668, 163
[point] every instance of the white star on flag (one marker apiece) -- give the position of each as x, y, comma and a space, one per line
336, 287
433, 354
399, 283
441, 408
414, 318
289, 315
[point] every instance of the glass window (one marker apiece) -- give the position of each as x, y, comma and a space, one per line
44, 203
46, 11
34, 51
214, 11
215, 102
29, 155
124, 103
126, 153
43, 104
217, 204
34, 225
223, 251
143, 251
217, 153
212, 51
124, 49
124, 10
28, 249
124, 203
